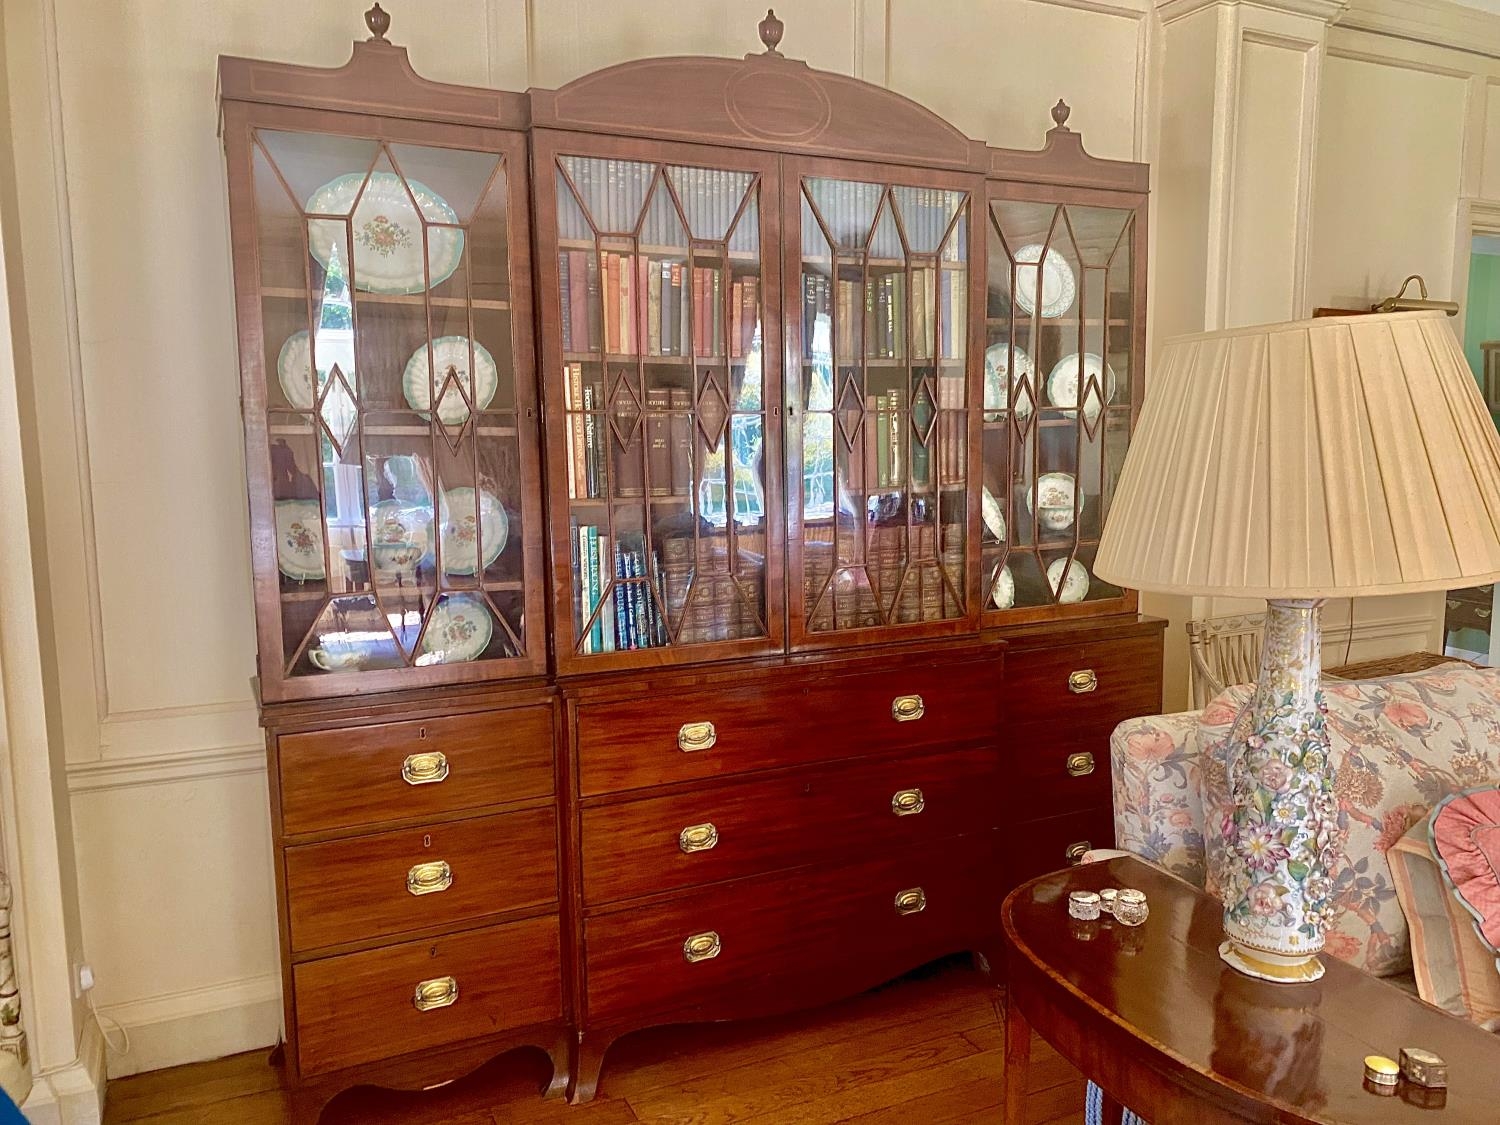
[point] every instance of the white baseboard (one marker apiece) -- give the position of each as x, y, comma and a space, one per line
201, 1023
74, 1094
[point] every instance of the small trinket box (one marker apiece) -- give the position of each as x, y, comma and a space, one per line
1381, 1071
1130, 907
1107, 899
1083, 905
1423, 1067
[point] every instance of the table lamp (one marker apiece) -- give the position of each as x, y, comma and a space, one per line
1330, 458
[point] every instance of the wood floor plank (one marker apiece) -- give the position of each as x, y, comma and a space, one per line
784, 1093
926, 1050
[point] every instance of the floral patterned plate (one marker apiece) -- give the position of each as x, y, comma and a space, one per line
1075, 587
1056, 494
462, 534
1064, 384
450, 352
997, 369
993, 513
387, 231
1059, 288
299, 540
1003, 589
459, 630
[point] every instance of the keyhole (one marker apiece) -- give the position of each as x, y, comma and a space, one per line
421, 732
432, 952
427, 841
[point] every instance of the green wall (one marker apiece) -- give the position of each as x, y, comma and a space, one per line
1482, 310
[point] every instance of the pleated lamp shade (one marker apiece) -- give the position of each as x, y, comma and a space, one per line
1337, 457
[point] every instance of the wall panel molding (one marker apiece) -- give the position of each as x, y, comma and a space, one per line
166, 769
221, 1019
1436, 22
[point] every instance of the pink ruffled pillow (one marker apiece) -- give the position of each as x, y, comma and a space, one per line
1466, 837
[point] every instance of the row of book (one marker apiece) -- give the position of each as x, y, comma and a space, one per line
634, 304
860, 595
614, 193
899, 438
634, 620
848, 211
935, 321
664, 467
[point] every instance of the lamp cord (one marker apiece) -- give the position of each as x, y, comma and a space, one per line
1349, 636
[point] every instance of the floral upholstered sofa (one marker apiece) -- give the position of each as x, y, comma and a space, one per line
1400, 744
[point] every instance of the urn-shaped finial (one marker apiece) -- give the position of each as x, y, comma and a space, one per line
770, 31
378, 20
1060, 113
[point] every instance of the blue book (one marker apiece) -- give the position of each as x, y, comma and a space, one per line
596, 634
622, 600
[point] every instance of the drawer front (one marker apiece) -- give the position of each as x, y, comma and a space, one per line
364, 1006
785, 720
1038, 846
1051, 776
363, 775
744, 948
1083, 690
413, 878
755, 826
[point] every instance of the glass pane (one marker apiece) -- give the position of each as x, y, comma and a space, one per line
394, 444
1057, 372
883, 482
659, 288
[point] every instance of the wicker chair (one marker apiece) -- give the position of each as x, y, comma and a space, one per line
1224, 651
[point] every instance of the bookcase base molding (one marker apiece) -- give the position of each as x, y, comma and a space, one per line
673, 503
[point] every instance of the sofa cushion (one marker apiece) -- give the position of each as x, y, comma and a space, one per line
1453, 968
1158, 801
1399, 745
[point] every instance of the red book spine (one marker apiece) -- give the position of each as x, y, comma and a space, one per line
578, 299
611, 303
700, 312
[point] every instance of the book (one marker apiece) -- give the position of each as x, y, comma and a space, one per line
611, 284
565, 289
680, 434
571, 377
622, 613
578, 584
658, 440
593, 304
653, 307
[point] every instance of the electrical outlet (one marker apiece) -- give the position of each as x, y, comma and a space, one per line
83, 978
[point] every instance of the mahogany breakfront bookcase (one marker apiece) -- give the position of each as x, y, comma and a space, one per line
673, 504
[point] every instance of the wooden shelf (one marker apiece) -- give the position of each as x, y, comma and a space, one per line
359, 297
657, 250
506, 586
1026, 319
883, 263
654, 360
414, 430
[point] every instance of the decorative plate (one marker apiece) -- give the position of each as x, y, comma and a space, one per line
400, 537
450, 352
1003, 589
1064, 384
294, 364
1056, 494
994, 514
461, 536
1075, 587
1058, 285
459, 630
387, 231
299, 540
997, 366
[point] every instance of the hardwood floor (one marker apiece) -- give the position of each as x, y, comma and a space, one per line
926, 1050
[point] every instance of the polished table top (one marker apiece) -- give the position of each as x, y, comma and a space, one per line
1155, 1016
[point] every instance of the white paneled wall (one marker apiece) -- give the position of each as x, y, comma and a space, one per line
127, 341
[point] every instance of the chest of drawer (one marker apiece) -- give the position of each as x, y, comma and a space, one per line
785, 719
1053, 776
1081, 691
754, 826
732, 950
415, 878
350, 776
1036, 847
403, 998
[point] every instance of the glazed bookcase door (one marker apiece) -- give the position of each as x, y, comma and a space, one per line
1065, 327
879, 388
660, 326
387, 391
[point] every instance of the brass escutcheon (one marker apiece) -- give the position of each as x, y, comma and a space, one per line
1082, 681
440, 992
906, 708
696, 736
701, 947
429, 878
913, 900
1080, 764
426, 768
908, 802
698, 838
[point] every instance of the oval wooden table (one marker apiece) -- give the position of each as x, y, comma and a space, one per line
1163, 1026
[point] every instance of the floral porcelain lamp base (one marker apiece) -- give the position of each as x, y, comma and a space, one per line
1281, 828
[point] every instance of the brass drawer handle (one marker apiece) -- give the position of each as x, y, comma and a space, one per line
906, 708
701, 947
1082, 681
427, 768
1080, 765
913, 900
440, 992
908, 802
1076, 852
698, 838
429, 878
696, 736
